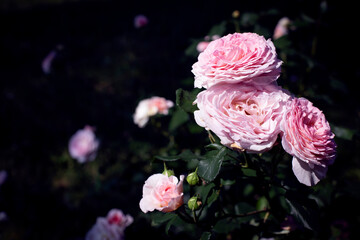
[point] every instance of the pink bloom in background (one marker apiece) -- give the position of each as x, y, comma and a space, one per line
237, 58
162, 193
3, 176
244, 117
282, 28
308, 138
47, 62
201, 46
83, 145
111, 228
140, 21
150, 107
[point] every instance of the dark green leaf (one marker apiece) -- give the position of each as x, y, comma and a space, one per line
204, 191
226, 225
218, 29
249, 172
209, 167
185, 99
205, 236
304, 210
160, 217
342, 132
179, 117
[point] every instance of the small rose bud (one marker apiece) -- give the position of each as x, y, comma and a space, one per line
168, 172
193, 178
194, 203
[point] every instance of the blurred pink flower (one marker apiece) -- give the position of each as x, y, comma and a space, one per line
46, 64
150, 107
3, 176
201, 46
140, 21
110, 228
281, 28
83, 145
308, 138
244, 117
237, 58
162, 193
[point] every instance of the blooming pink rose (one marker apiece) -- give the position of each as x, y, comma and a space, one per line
140, 21
150, 107
112, 227
83, 145
244, 117
308, 138
237, 58
162, 193
282, 28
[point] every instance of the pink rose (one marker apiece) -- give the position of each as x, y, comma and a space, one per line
162, 193
83, 145
237, 58
201, 46
112, 227
150, 107
140, 21
282, 28
244, 117
308, 138
117, 217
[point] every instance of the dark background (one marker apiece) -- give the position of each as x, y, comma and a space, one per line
107, 66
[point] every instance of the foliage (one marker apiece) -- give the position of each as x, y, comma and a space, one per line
102, 73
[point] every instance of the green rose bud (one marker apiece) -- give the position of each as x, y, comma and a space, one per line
167, 172
193, 178
194, 203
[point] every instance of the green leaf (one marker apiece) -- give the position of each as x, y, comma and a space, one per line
159, 218
179, 117
226, 225
304, 210
205, 236
342, 132
209, 167
204, 191
185, 99
249, 172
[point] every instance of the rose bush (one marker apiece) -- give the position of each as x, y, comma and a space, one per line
308, 138
244, 117
237, 58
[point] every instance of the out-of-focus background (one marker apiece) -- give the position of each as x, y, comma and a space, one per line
103, 66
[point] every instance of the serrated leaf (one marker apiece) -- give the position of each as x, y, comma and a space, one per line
209, 167
185, 99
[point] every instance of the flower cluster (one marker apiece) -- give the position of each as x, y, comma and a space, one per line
243, 105
111, 227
